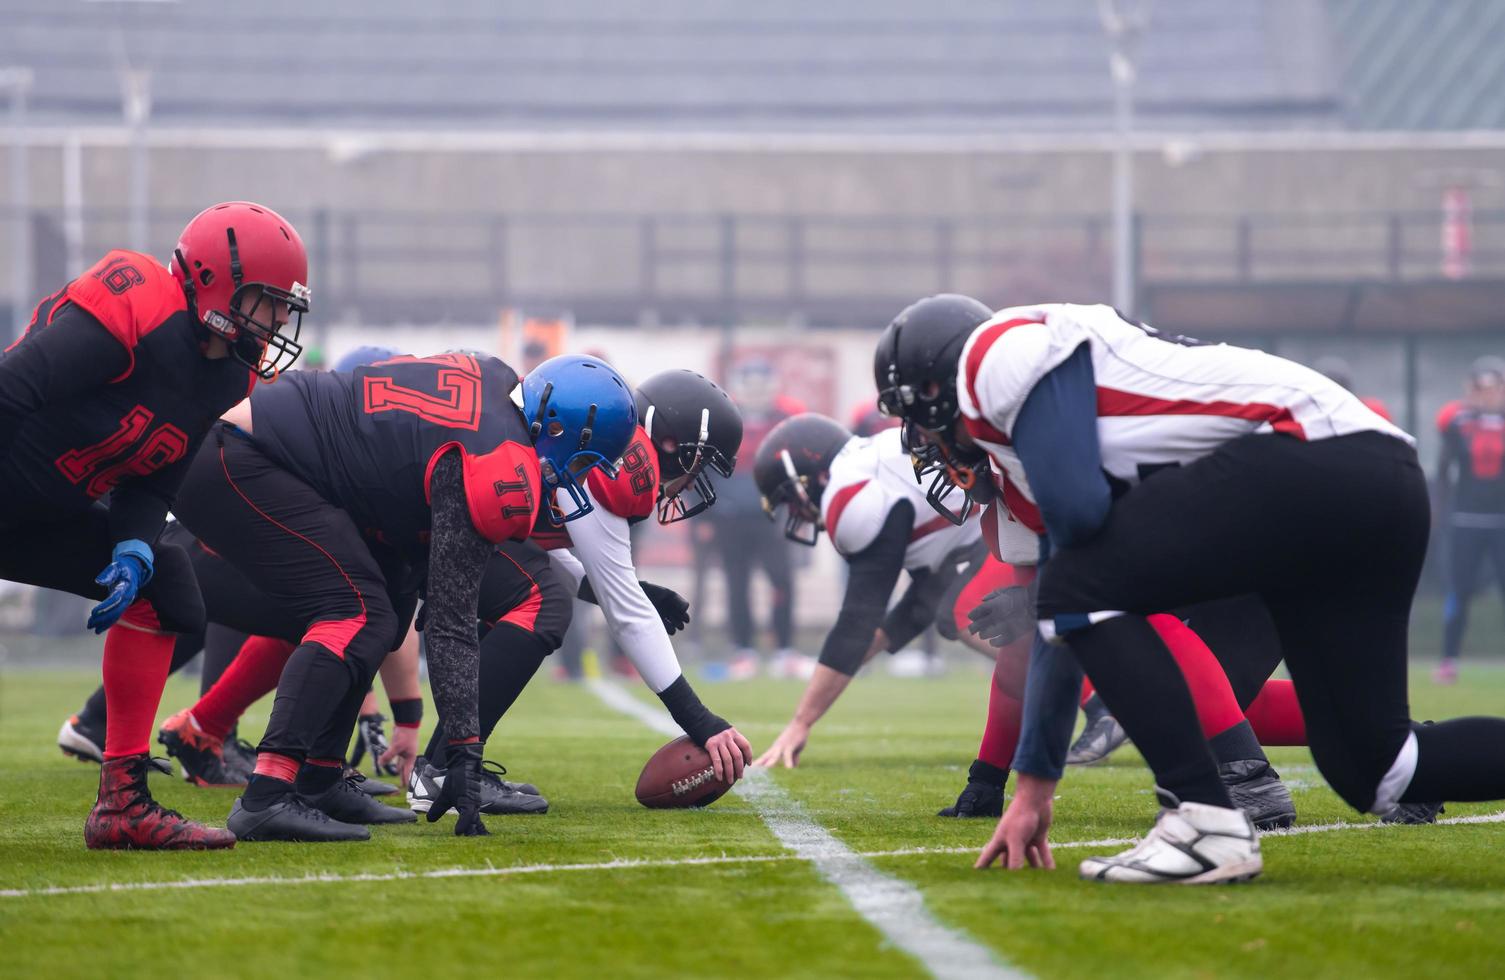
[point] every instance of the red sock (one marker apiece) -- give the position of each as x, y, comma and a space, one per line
1217, 708
252, 674
1001, 735
1276, 715
1086, 691
283, 767
137, 658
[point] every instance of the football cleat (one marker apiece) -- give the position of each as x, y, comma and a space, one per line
1413, 813
345, 803
201, 756
1446, 673
240, 757
86, 743
976, 800
290, 819
1102, 736
497, 796
367, 785
790, 663
495, 771
1190, 844
1255, 787
126, 817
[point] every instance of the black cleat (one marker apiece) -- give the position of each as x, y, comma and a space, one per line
290, 820
86, 743
239, 756
495, 771
367, 785
346, 803
1100, 739
496, 796
201, 756
1413, 813
1255, 787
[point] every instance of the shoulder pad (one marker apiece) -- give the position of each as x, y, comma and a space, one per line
1008, 540
130, 294
1447, 413
501, 488
856, 514
633, 491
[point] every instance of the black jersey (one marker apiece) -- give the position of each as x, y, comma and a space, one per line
109, 392
368, 440
1473, 460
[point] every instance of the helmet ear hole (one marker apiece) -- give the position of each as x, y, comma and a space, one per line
206, 276
556, 428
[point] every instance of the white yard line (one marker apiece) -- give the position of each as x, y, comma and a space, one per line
619, 864
894, 907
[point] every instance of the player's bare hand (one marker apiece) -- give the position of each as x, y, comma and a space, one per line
402, 752
785, 750
1022, 831
730, 754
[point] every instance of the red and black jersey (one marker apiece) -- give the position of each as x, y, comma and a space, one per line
1473, 458
630, 495
368, 440
109, 392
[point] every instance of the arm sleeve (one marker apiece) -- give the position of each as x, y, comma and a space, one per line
914, 613
601, 543
457, 560
569, 565
874, 570
139, 506
71, 354
1052, 693
1056, 439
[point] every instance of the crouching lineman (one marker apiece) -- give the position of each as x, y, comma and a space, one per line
111, 390
865, 495
688, 428
339, 497
1249, 474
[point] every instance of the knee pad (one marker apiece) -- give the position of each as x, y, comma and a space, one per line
174, 592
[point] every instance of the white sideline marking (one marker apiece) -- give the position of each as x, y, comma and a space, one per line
895, 908
626, 863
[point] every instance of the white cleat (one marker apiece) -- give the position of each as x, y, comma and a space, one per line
1190, 844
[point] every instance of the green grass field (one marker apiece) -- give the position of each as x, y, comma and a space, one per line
1401, 902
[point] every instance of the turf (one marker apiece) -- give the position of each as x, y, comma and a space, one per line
1379, 902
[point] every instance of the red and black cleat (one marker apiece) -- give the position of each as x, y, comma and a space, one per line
201, 755
126, 817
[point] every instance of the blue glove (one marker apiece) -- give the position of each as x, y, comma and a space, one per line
130, 568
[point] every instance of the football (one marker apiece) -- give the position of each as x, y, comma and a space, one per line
679, 775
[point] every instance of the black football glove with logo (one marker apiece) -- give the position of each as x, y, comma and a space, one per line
1005, 615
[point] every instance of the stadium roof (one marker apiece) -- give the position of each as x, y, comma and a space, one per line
839, 66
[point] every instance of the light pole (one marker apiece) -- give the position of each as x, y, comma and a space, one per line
1123, 20
17, 82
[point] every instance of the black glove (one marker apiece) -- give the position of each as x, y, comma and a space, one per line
462, 790
1005, 615
672, 607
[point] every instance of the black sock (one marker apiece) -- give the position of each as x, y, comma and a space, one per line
987, 773
1094, 708
1460, 760
1236, 744
263, 791
438, 747
1142, 685
93, 713
313, 780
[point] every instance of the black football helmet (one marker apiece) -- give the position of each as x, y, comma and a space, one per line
791, 469
915, 370
692, 425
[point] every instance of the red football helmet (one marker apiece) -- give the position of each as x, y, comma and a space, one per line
245, 271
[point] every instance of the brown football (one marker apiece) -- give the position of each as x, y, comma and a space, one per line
679, 775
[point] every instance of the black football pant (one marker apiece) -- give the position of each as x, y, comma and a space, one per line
1469, 548
294, 550
524, 611
67, 555
1331, 536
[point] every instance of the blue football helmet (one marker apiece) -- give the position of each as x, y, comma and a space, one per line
362, 356
580, 416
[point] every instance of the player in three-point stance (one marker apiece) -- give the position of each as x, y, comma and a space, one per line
103, 403
1234, 472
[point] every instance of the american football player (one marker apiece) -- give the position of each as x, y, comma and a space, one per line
1167, 473
103, 403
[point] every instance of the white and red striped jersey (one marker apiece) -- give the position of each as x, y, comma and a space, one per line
1160, 402
868, 478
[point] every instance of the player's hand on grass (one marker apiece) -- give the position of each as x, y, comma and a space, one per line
785, 750
730, 754
402, 752
1022, 830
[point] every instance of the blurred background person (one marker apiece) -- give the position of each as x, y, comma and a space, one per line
1471, 498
